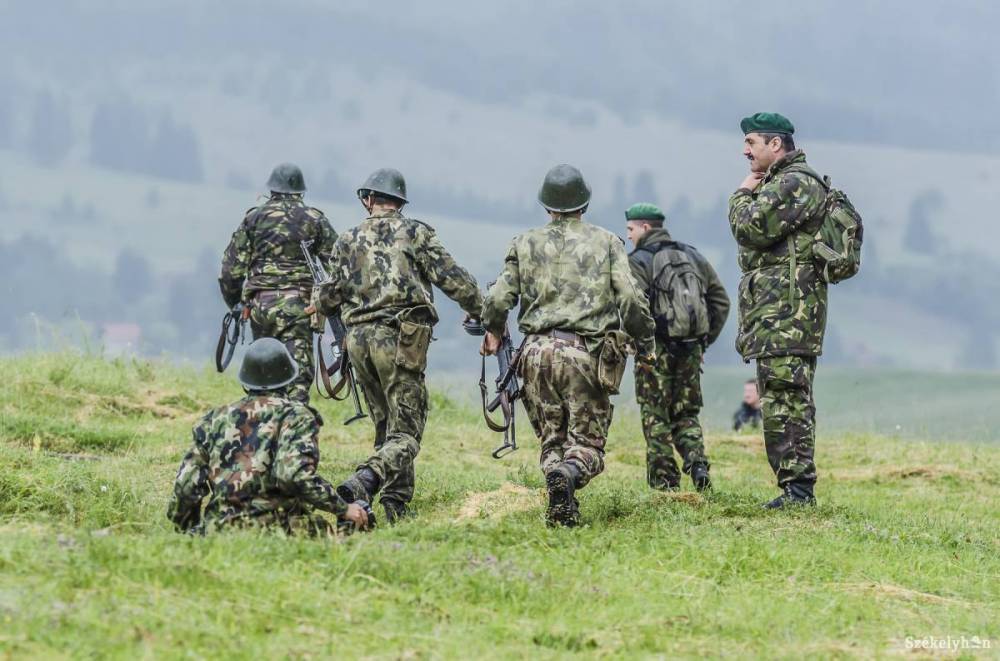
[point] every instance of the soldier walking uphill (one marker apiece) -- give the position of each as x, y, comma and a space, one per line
264, 268
381, 273
689, 307
575, 292
774, 216
256, 458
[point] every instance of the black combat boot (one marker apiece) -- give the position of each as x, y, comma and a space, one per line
700, 477
363, 485
394, 510
795, 494
563, 509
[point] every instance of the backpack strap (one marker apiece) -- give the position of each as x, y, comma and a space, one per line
809, 172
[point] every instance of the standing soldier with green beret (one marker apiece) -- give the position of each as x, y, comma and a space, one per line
256, 459
689, 307
381, 274
576, 297
774, 216
264, 269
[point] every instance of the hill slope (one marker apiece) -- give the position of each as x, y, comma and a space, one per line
904, 543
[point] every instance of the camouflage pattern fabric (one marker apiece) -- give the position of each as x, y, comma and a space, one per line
386, 266
569, 410
782, 298
716, 298
265, 252
256, 461
786, 396
669, 397
265, 255
382, 273
281, 314
397, 402
783, 302
572, 276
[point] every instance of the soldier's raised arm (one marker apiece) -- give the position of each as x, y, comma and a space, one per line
777, 209
191, 483
445, 273
503, 295
236, 263
632, 304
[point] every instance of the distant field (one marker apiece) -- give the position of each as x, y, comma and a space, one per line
934, 406
904, 546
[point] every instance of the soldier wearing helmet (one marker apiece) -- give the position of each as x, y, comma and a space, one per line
264, 268
256, 459
582, 314
382, 275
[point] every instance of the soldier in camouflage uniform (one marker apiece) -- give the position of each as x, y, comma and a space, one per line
256, 459
572, 281
669, 395
782, 298
381, 273
264, 268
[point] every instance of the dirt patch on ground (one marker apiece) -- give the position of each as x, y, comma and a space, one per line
685, 497
146, 402
890, 591
903, 473
508, 499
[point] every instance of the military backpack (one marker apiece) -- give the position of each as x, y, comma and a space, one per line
837, 246
677, 293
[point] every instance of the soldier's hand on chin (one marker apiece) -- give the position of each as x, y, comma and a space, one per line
490, 345
356, 515
752, 180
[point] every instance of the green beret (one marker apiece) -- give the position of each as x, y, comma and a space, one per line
767, 122
644, 211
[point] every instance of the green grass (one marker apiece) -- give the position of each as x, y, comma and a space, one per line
904, 543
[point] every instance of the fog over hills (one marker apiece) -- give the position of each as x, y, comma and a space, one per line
145, 129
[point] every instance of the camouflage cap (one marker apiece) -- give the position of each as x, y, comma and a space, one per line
766, 122
644, 211
286, 178
267, 365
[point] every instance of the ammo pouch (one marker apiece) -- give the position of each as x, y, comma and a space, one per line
611, 361
411, 345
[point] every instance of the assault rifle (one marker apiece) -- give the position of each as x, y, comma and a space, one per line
341, 362
233, 333
508, 389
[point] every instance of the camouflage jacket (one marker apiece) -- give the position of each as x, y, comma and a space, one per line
265, 251
573, 276
386, 266
782, 298
255, 459
641, 261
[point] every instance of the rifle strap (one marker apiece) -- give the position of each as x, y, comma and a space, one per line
484, 391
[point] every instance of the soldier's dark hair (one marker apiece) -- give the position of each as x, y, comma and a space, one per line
387, 199
787, 141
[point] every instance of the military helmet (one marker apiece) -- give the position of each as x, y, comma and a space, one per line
267, 365
564, 190
384, 181
286, 178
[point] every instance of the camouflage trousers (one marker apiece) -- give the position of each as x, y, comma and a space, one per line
785, 384
670, 400
397, 402
282, 316
569, 410
302, 522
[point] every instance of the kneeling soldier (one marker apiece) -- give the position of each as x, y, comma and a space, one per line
256, 458
575, 291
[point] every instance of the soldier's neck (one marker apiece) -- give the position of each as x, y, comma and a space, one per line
564, 217
379, 210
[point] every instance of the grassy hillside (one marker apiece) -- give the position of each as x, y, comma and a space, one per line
903, 544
